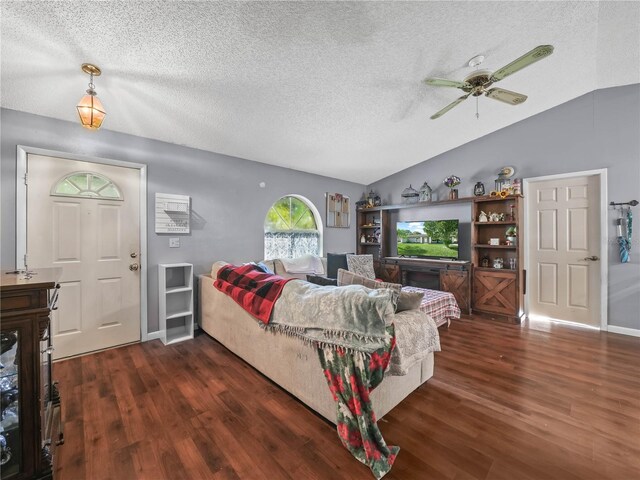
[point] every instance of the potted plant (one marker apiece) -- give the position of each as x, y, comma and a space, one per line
511, 234
451, 182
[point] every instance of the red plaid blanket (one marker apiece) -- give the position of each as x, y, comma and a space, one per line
442, 306
251, 288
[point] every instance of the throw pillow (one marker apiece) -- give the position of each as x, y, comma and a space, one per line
409, 301
264, 268
334, 262
361, 265
324, 281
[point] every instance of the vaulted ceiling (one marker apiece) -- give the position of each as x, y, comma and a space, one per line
323, 87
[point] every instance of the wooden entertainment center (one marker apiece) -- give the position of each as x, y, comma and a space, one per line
494, 292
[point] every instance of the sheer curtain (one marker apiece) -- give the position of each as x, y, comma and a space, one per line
291, 244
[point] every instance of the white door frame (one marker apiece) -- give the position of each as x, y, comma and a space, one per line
601, 173
21, 213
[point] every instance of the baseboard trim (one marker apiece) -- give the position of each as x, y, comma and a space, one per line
154, 335
634, 332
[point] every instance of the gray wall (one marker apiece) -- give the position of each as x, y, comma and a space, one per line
224, 191
598, 130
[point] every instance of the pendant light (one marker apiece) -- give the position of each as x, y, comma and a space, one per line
90, 109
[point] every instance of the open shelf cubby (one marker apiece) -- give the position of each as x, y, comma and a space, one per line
175, 296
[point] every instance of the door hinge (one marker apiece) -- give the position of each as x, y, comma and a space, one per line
25, 178
25, 261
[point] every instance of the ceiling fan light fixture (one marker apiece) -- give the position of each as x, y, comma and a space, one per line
90, 108
478, 82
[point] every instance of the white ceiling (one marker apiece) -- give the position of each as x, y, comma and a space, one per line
327, 88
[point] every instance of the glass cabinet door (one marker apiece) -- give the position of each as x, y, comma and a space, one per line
10, 441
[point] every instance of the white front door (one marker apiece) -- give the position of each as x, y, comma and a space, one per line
564, 249
84, 217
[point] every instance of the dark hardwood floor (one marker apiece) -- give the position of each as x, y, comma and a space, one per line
507, 402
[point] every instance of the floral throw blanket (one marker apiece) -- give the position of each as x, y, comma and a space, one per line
351, 378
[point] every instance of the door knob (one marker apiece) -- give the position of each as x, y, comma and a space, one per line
133, 267
592, 258
133, 255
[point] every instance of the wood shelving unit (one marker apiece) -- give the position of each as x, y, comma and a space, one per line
417, 205
497, 292
454, 276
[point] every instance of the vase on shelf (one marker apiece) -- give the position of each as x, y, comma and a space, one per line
453, 193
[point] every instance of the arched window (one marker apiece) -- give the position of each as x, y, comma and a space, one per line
292, 228
86, 184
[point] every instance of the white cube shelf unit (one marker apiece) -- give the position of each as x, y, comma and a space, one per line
175, 294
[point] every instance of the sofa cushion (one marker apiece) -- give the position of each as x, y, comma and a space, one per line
409, 301
361, 265
349, 278
217, 266
324, 281
307, 264
336, 261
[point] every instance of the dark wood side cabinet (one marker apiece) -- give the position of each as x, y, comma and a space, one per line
457, 282
31, 425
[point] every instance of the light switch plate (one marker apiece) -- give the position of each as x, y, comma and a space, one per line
174, 243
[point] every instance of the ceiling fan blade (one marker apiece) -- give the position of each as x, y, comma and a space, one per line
449, 107
506, 96
538, 53
443, 82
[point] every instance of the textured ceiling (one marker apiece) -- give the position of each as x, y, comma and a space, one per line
328, 88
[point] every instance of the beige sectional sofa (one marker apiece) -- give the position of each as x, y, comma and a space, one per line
288, 361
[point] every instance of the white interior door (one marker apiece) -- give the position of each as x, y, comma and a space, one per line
564, 249
84, 218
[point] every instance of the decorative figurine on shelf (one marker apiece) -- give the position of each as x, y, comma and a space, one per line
425, 192
485, 261
363, 238
511, 235
512, 213
516, 186
371, 199
377, 201
451, 182
410, 195
478, 189
503, 181
494, 217
498, 263
483, 217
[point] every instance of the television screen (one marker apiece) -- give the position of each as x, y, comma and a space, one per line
428, 239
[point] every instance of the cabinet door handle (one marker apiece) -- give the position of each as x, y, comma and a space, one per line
48, 350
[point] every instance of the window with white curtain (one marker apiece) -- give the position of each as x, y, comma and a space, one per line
292, 229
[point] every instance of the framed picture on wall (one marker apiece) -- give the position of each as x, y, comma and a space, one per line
338, 211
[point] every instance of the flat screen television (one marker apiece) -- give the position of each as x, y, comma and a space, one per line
428, 239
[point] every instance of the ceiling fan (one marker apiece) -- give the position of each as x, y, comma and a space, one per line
478, 82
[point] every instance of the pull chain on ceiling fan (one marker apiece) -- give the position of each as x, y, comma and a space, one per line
478, 82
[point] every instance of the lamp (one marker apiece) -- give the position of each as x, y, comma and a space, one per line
90, 109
